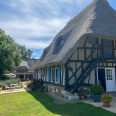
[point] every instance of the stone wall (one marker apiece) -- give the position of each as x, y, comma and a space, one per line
54, 89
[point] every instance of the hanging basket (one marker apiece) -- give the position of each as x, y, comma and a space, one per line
106, 104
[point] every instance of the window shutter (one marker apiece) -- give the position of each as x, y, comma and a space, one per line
35, 74
58, 75
48, 75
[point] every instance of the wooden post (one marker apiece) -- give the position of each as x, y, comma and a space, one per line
24, 77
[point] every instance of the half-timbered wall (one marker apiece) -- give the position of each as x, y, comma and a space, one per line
82, 52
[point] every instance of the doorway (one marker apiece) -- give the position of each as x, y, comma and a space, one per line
101, 78
106, 78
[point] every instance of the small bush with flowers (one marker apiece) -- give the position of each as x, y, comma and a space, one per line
36, 84
107, 98
29, 84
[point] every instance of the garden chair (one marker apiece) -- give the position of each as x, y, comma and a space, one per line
18, 85
6, 87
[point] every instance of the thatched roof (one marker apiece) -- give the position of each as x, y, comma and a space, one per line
98, 18
26, 63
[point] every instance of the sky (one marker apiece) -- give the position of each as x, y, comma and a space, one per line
35, 23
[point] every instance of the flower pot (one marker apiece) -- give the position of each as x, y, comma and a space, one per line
88, 95
96, 98
106, 104
82, 97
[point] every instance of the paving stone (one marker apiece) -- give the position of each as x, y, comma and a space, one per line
73, 98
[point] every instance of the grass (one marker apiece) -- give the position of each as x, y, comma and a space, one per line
34, 103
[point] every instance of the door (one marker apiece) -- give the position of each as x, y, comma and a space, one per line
101, 78
110, 79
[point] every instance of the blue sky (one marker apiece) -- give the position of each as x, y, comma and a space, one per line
34, 23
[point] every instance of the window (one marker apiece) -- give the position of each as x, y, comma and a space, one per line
43, 72
107, 49
52, 74
59, 41
56, 75
93, 40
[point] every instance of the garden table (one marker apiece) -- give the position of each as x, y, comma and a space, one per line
13, 86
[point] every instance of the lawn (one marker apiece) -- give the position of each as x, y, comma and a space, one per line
34, 103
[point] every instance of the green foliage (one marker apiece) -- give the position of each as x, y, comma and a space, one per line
107, 98
9, 54
82, 93
19, 80
11, 81
4, 77
41, 89
36, 84
1, 86
96, 89
27, 80
29, 84
25, 54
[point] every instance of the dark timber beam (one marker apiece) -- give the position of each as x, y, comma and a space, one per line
95, 75
75, 75
66, 77
89, 79
46, 74
54, 75
62, 75
82, 64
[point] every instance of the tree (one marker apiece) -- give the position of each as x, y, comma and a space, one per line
25, 54
9, 53
29, 53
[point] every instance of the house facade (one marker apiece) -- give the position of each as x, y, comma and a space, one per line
83, 53
23, 70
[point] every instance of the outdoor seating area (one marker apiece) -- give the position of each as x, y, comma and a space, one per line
12, 86
18, 87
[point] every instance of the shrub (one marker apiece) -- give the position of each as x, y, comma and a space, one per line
11, 81
41, 88
36, 84
4, 77
29, 84
107, 98
82, 93
1, 86
96, 89
27, 80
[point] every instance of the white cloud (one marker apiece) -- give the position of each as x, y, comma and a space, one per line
28, 21
32, 44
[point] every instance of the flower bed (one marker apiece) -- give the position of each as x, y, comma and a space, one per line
35, 84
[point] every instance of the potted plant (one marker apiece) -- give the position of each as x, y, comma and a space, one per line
88, 94
96, 91
1, 86
106, 99
82, 94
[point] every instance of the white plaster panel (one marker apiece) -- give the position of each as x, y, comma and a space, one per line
92, 78
95, 54
109, 64
74, 56
86, 81
81, 54
82, 43
88, 52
